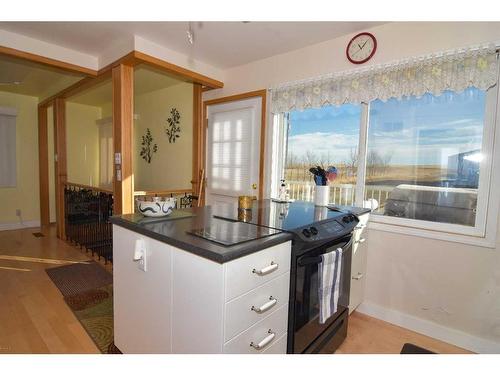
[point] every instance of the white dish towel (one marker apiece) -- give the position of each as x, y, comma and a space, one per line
329, 271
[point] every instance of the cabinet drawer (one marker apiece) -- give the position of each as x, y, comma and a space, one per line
276, 323
239, 313
243, 274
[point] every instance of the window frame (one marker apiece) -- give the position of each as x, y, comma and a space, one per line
485, 230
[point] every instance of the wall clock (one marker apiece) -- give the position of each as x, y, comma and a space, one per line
361, 48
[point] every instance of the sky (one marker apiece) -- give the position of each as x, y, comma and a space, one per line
411, 131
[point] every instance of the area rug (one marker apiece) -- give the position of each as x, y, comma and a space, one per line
88, 290
79, 277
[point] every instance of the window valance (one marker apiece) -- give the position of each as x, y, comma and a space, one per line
452, 70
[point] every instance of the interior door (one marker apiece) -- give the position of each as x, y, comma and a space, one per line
233, 151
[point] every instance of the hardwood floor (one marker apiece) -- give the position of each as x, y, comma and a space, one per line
367, 335
33, 315
35, 319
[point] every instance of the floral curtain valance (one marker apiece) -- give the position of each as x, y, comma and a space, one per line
456, 70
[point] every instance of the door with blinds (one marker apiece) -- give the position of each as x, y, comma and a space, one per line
233, 156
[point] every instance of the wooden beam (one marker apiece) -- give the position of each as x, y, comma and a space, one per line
61, 173
198, 146
128, 59
43, 166
177, 70
47, 61
123, 117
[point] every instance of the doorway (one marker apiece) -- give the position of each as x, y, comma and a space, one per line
234, 148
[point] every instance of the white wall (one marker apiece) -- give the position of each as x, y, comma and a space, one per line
395, 41
444, 289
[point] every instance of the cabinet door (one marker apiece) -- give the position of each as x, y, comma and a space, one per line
358, 265
142, 313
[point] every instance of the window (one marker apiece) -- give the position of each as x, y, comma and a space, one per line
424, 154
325, 136
7, 147
425, 161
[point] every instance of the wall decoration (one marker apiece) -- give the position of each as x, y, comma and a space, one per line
147, 150
173, 125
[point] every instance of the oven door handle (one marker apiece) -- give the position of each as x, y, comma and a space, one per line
317, 259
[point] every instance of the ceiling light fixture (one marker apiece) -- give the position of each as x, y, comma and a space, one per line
190, 34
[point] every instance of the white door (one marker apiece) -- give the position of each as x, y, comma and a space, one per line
233, 151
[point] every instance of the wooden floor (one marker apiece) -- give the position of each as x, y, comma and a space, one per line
35, 319
367, 335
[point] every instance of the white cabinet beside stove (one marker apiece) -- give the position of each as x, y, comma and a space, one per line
358, 263
184, 303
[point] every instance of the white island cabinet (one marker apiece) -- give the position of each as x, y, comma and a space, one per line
184, 303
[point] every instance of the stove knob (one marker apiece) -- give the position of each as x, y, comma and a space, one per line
313, 230
306, 232
345, 219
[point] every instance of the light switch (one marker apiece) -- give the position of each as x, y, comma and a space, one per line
140, 254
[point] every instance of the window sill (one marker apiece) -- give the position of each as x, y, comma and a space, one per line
373, 224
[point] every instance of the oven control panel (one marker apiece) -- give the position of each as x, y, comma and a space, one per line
328, 229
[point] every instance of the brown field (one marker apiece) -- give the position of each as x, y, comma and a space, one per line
386, 175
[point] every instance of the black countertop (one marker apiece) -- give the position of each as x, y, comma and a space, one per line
173, 231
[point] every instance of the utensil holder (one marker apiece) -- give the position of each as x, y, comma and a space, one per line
321, 195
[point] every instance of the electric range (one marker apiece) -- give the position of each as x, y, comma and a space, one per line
317, 230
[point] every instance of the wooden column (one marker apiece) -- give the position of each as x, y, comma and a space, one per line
198, 145
123, 117
43, 166
61, 173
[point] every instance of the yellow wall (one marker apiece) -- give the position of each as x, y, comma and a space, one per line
171, 165
25, 196
82, 137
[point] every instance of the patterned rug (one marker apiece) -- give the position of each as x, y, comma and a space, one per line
79, 277
89, 293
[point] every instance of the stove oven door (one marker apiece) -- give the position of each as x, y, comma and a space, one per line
307, 330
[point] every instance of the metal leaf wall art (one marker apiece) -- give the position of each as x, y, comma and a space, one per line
173, 127
147, 146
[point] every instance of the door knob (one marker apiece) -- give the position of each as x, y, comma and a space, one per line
254, 186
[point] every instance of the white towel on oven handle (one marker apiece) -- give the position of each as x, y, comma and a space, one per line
329, 271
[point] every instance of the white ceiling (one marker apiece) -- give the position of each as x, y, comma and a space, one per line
220, 44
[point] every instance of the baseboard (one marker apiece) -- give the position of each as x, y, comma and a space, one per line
431, 329
23, 225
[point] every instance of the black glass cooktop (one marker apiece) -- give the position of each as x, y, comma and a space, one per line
230, 233
284, 216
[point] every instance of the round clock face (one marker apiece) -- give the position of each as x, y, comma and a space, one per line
361, 48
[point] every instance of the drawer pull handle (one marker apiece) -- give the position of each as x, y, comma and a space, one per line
266, 306
264, 271
359, 276
361, 240
264, 341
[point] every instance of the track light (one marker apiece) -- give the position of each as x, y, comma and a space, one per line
190, 34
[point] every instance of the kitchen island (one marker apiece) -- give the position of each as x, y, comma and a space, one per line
177, 293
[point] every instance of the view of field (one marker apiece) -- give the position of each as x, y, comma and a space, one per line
432, 141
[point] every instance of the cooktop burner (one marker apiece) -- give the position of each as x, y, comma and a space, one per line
229, 233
